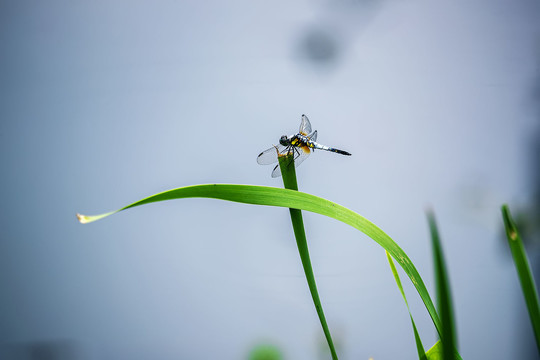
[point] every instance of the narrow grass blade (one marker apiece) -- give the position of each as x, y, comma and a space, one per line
524, 272
271, 196
288, 173
444, 297
419, 346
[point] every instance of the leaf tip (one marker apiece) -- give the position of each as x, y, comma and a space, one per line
83, 219
511, 230
428, 209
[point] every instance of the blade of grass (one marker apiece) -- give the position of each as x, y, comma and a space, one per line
523, 268
271, 196
288, 174
444, 297
419, 346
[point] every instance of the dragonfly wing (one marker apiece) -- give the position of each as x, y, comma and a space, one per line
276, 172
305, 126
301, 154
313, 136
270, 156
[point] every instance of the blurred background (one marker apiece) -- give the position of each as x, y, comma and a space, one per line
105, 102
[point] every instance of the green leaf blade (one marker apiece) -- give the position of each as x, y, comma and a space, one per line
419, 346
444, 296
523, 268
271, 196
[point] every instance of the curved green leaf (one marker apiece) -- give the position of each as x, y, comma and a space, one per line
271, 196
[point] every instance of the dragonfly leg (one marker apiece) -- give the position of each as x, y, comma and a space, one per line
297, 153
291, 150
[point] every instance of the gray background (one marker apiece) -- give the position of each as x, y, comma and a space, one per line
106, 102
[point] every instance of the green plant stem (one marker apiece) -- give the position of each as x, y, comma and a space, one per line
524, 272
288, 173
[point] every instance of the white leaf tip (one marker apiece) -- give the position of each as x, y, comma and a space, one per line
83, 219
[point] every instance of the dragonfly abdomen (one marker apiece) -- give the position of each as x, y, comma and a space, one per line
315, 145
342, 152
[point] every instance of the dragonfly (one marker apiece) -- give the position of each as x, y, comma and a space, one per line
299, 145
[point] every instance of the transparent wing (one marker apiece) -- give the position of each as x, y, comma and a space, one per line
276, 172
305, 126
269, 156
313, 136
300, 154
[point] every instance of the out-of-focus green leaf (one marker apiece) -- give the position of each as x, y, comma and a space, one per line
265, 352
528, 286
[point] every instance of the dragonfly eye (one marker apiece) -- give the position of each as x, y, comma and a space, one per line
283, 140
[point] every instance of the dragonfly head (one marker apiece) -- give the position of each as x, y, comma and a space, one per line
284, 140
